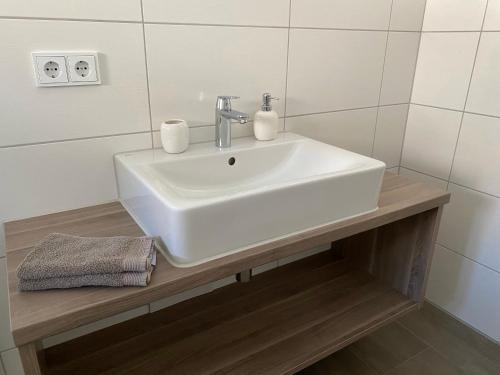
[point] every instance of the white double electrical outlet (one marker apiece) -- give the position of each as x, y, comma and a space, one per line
66, 68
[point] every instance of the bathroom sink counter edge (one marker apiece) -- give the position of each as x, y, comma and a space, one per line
208, 202
408, 210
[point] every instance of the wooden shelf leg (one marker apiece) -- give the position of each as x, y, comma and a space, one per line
30, 359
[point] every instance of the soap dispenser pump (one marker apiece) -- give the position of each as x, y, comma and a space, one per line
266, 121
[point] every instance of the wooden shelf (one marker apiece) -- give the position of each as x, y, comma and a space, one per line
37, 315
278, 323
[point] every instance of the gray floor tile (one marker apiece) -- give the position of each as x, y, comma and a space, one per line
388, 347
341, 363
458, 344
426, 363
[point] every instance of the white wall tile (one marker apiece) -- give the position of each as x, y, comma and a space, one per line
394, 170
202, 134
399, 68
484, 94
191, 293
352, 130
341, 14
123, 10
221, 283
54, 177
304, 254
180, 297
37, 114
220, 12
6, 340
466, 290
454, 15
391, 123
2, 240
431, 136
470, 225
334, 69
407, 15
444, 68
249, 62
441, 184
264, 268
95, 326
477, 159
492, 18
12, 362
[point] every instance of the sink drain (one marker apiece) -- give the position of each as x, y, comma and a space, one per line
231, 161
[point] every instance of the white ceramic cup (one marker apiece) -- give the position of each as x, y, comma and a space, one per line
174, 136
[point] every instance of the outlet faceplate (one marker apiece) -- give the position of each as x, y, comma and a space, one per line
50, 70
66, 68
83, 68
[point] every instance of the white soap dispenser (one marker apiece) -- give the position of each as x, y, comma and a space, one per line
266, 121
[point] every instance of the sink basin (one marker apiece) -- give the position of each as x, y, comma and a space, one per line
206, 202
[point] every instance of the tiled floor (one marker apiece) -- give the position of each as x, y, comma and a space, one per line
426, 342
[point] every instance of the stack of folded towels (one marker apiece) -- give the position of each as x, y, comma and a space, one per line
64, 261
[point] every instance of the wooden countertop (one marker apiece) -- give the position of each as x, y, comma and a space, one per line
35, 315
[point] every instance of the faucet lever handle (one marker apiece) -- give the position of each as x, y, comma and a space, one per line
227, 98
224, 101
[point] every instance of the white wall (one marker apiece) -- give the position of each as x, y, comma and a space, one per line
452, 139
343, 69
171, 58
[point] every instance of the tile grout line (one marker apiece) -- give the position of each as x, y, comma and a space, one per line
191, 127
2, 366
408, 359
436, 107
66, 19
461, 31
449, 361
463, 322
425, 174
451, 182
449, 31
419, 353
450, 316
473, 189
382, 78
344, 110
402, 325
287, 60
363, 361
412, 86
430, 346
147, 74
467, 95
404, 134
72, 139
455, 110
466, 257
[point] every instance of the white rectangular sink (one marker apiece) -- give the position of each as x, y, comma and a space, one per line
206, 202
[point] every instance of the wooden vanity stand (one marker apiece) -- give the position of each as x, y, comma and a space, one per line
278, 323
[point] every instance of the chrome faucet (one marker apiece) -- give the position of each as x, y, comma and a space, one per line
223, 116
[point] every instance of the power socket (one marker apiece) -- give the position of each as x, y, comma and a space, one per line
50, 70
83, 68
66, 68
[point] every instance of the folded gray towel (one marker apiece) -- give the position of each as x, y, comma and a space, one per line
105, 279
61, 255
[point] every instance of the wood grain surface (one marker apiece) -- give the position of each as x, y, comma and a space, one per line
281, 322
35, 315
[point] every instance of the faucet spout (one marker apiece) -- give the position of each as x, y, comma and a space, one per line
241, 117
223, 116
